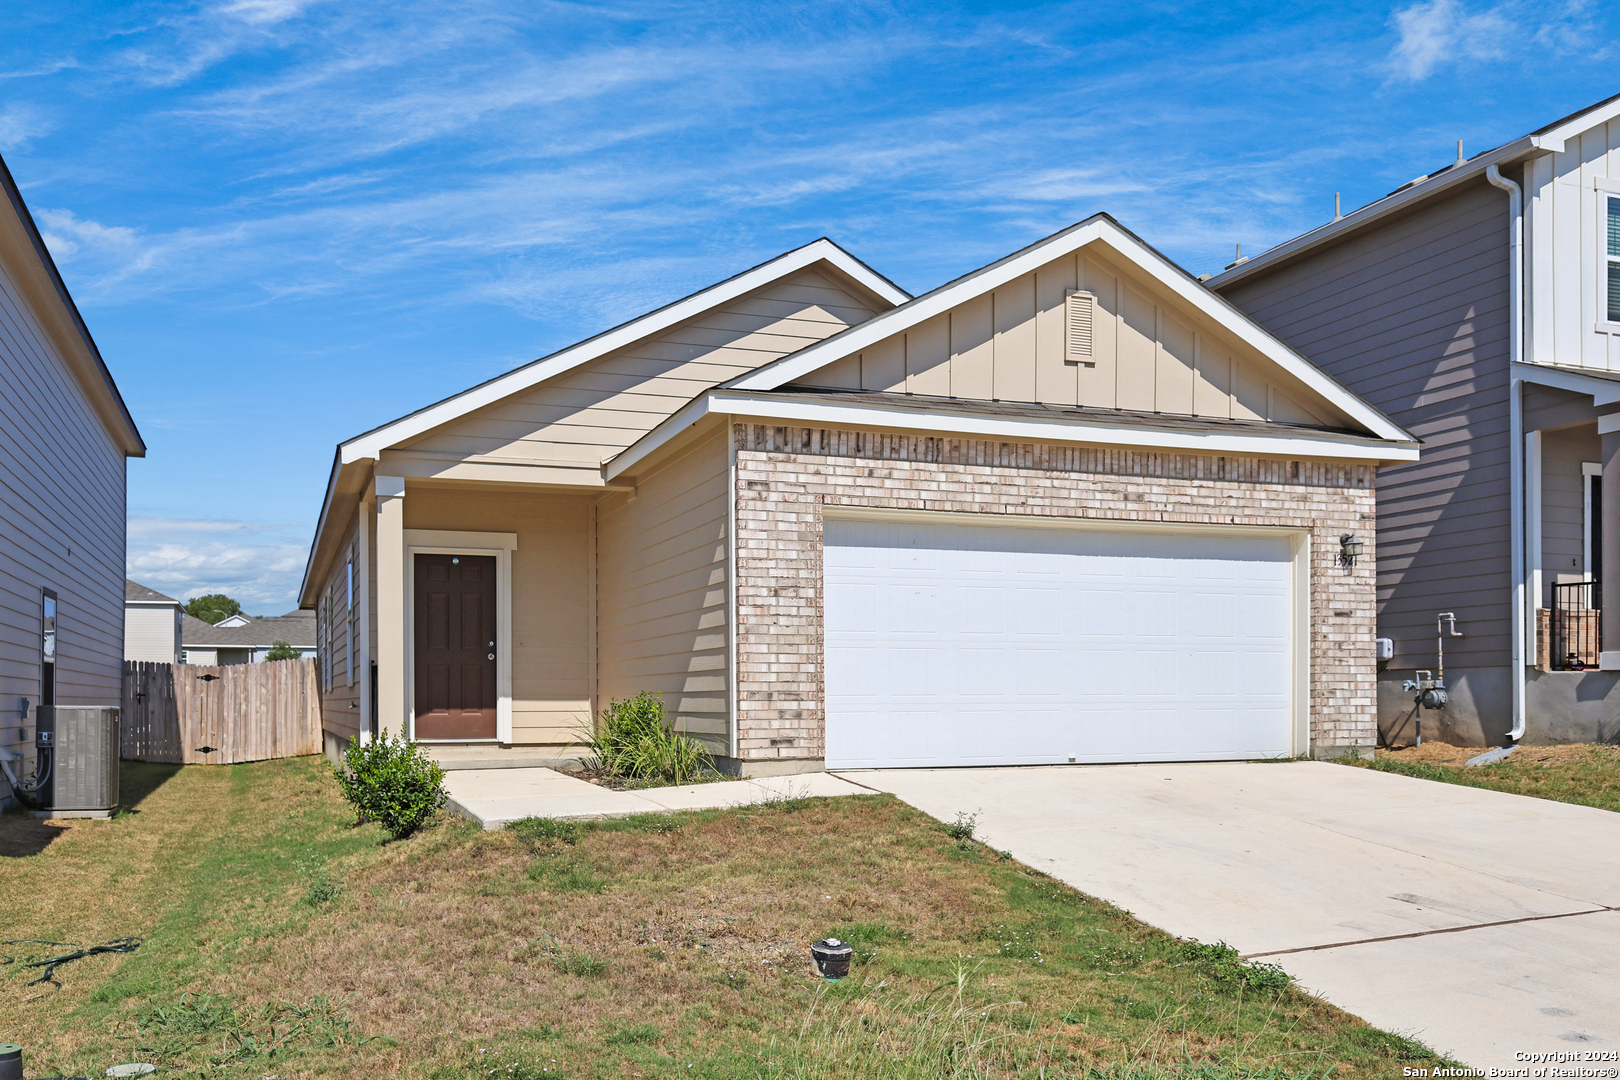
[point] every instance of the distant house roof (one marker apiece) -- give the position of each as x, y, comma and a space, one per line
296, 628
137, 593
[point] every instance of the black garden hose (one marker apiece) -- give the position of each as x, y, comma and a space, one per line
51, 963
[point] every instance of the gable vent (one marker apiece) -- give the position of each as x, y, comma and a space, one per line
1080, 313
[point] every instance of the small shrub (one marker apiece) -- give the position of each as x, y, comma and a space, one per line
961, 830
632, 742
282, 650
392, 782
1226, 965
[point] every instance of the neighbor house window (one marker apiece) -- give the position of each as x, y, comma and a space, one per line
353, 627
1612, 257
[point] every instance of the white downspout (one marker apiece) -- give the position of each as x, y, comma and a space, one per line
1515, 435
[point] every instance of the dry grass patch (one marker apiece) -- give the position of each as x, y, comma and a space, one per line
1582, 773
643, 947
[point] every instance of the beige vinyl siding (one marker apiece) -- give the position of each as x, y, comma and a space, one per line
661, 597
1411, 315
340, 701
62, 498
598, 409
551, 677
151, 633
1148, 354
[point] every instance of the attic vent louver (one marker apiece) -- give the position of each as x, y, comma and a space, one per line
1080, 312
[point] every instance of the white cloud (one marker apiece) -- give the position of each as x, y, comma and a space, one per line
265, 11
1440, 32
19, 124
188, 557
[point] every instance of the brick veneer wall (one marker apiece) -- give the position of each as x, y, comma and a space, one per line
786, 476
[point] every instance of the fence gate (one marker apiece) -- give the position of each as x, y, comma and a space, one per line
195, 714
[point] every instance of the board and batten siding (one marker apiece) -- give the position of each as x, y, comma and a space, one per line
593, 412
1565, 230
62, 495
1412, 316
151, 633
662, 592
551, 596
1149, 355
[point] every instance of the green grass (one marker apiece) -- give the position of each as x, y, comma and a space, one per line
280, 939
1585, 776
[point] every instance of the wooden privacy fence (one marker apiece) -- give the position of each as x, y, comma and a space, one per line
195, 714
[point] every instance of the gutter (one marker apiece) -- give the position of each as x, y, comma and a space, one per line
1516, 483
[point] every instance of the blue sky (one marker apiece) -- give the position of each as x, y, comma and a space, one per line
287, 221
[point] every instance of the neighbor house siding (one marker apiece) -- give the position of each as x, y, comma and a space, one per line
62, 497
591, 413
1149, 353
786, 478
150, 634
550, 648
662, 593
1565, 230
1412, 316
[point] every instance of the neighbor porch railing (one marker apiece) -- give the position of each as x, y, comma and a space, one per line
1572, 625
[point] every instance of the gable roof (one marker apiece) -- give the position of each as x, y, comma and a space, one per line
371, 443
296, 628
88, 368
1099, 227
348, 462
1549, 139
135, 593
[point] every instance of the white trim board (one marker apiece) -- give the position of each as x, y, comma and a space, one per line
1124, 245
1604, 391
1296, 442
372, 443
450, 542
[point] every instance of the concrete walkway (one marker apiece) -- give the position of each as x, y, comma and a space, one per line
495, 797
1483, 924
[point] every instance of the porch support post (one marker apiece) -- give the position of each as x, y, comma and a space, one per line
1609, 560
391, 642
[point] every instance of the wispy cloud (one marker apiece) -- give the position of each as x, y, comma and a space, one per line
19, 124
1443, 32
185, 558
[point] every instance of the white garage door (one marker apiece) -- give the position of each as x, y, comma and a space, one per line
968, 644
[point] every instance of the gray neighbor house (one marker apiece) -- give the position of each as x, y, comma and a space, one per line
1479, 308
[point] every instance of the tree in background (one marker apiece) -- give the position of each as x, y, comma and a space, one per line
212, 608
282, 650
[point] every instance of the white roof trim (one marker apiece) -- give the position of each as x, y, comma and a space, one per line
372, 443
1552, 140
1603, 391
1167, 274
1292, 442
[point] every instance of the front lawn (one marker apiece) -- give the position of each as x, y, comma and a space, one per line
279, 940
1585, 774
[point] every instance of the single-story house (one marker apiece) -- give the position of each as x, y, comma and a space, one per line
151, 625
65, 438
1070, 507
246, 641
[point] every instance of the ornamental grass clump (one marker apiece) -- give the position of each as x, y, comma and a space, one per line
632, 742
392, 782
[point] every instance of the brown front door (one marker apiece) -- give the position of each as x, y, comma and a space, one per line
455, 646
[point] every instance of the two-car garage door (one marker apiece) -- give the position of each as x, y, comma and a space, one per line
954, 643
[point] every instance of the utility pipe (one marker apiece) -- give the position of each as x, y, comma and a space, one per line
1515, 435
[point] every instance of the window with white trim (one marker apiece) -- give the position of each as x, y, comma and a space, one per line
352, 628
1611, 259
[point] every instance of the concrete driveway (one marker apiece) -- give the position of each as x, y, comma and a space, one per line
1481, 923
